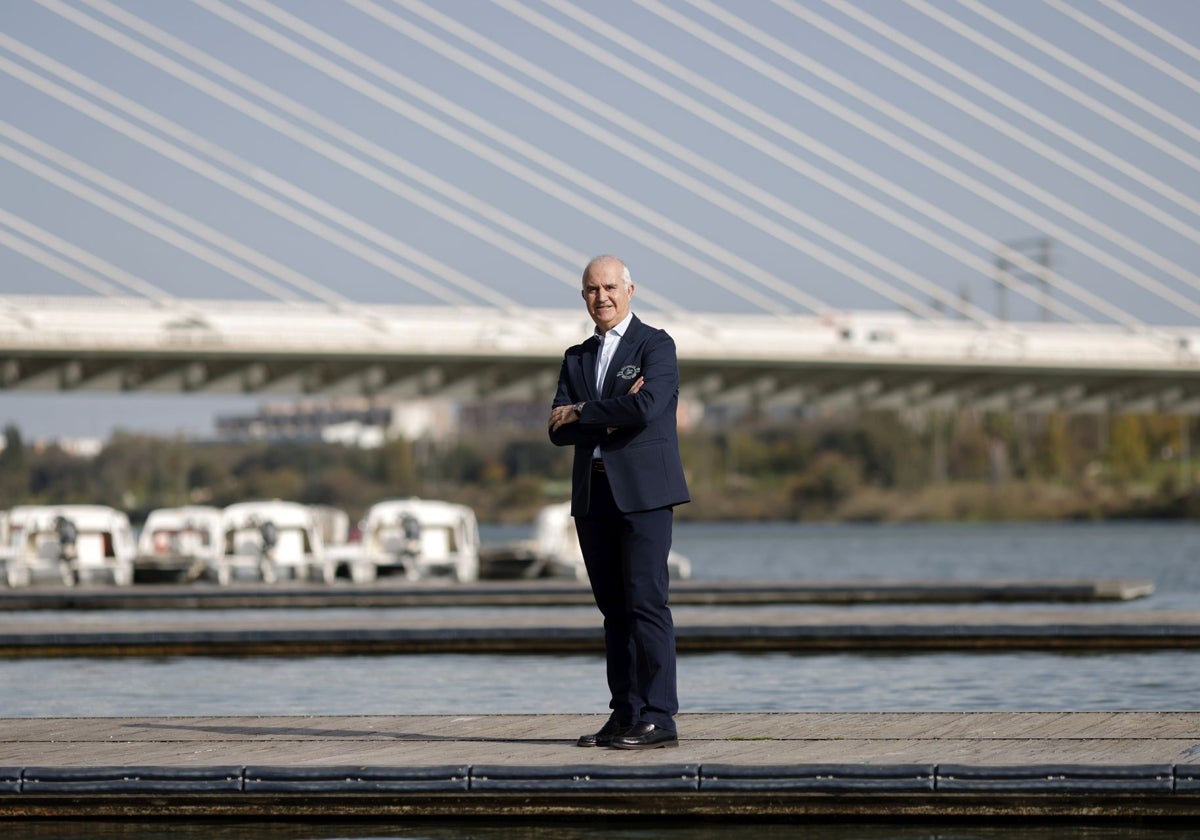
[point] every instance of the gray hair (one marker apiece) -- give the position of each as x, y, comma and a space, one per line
603, 258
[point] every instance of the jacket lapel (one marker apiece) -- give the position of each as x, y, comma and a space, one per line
625, 351
588, 360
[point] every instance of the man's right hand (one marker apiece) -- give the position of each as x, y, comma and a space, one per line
633, 389
562, 415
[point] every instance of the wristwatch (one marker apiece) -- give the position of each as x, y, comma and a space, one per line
578, 409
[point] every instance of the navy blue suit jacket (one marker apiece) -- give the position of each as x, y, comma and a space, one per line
641, 453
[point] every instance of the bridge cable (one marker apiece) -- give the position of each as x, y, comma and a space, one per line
181, 220
1129, 46
969, 154
142, 221
1005, 127
85, 258
492, 131
575, 259
254, 173
247, 171
56, 264
616, 142
1073, 137
841, 161
882, 134
1065, 58
1153, 28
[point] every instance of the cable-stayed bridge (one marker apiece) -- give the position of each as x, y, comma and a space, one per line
927, 203
856, 360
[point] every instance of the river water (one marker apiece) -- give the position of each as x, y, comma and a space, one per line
1166, 553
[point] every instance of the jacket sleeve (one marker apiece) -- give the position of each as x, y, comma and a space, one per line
577, 433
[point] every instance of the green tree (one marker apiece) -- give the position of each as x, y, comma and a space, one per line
14, 468
462, 463
1128, 452
56, 477
1055, 449
968, 453
830, 480
397, 468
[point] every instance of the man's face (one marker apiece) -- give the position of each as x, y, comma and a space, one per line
606, 295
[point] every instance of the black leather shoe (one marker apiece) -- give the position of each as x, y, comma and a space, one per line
645, 736
604, 737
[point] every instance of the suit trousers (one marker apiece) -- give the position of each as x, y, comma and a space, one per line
626, 559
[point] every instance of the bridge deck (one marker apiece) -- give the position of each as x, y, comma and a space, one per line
885, 361
863, 765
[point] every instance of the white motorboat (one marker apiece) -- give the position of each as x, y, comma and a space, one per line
333, 523
346, 555
5, 537
557, 546
552, 550
69, 543
421, 538
179, 543
270, 540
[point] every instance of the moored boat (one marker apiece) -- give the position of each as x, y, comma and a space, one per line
178, 544
552, 551
70, 544
5, 538
421, 538
270, 540
343, 547
557, 546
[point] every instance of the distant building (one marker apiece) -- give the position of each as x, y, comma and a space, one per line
503, 417
356, 421
80, 447
531, 417
369, 423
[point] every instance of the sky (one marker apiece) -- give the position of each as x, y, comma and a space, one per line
793, 156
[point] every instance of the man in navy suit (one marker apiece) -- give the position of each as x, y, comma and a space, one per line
616, 401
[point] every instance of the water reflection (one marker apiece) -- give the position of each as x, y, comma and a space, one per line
1162, 680
1153, 681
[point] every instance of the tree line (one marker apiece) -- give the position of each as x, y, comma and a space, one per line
864, 467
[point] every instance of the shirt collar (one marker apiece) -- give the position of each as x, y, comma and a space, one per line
618, 330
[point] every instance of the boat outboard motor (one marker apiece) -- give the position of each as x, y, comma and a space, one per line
412, 534
67, 534
270, 535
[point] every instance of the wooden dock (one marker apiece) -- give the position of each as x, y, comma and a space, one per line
577, 630
866, 766
557, 593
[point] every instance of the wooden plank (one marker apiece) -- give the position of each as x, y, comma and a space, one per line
776, 726
1058, 757
563, 630
1005, 737
385, 593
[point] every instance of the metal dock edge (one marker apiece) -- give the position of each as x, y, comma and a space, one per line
684, 790
728, 766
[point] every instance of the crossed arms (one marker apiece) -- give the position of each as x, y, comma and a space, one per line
649, 395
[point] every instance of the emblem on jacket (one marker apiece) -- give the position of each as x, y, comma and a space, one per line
628, 372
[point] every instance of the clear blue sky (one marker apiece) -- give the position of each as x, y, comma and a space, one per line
477, 151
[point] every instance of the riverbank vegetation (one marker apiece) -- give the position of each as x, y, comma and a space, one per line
860, 467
